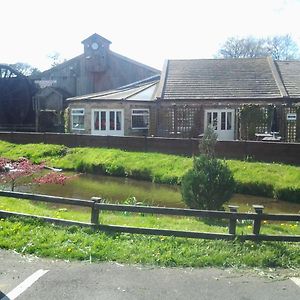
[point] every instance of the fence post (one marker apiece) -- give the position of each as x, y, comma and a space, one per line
257, 222
95, 211
232, 219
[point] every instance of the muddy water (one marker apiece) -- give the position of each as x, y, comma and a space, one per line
115, 190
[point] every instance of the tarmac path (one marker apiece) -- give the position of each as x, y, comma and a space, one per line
28, 277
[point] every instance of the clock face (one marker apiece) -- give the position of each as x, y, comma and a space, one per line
95, 46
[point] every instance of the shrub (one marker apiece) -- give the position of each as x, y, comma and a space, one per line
289, 194
208, 185
255, 188
115, 170
142, 174
208, 143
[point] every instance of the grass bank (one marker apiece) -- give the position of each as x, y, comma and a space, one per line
34, 237
261, 179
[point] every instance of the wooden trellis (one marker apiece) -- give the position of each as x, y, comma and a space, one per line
180, 121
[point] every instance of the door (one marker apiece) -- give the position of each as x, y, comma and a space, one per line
108, 122
222, 121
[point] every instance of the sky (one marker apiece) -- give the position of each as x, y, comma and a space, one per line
143, 30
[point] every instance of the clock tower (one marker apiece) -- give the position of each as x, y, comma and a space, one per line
96, 50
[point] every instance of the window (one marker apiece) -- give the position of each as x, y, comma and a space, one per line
78, 119
212, 120
226, 120
140, 119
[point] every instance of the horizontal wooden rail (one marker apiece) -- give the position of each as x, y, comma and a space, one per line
7, 214
199, 235
47, 198
196, 213
96, 206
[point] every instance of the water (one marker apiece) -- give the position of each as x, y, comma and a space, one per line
116, 190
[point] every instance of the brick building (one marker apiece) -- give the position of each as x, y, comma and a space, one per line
239, 98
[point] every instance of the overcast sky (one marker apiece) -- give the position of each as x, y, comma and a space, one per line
147, 31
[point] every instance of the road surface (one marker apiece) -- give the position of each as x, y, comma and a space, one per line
28, 277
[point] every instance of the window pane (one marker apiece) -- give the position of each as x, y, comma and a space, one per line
96, 120
78, 122
140, 119
208, 118
103, 120
215, 120
140, 122
119, 120
229, 120
140, 111
77, 111
111, 120
223, 114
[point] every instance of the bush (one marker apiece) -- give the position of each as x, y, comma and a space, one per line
289, 194
208, 143
208, 185
255, 188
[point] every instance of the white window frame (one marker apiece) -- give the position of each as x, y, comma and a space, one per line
107, 131
224, 134
75, 112
134, 112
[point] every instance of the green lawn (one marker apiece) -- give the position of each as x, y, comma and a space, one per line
34, 237
261, 179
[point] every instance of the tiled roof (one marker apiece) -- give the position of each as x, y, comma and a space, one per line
219, 79
209, 79
290, 75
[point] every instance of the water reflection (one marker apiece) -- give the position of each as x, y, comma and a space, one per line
116, 189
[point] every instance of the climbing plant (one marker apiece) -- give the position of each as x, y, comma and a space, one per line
67, 120
252, 117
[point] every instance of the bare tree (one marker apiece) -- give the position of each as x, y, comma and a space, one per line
56, 58
242, 48
279, 47
283, 48
25, 68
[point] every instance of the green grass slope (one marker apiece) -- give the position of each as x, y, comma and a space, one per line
261, 179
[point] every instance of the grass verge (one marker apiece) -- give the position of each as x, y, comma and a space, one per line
260, 179
35, 237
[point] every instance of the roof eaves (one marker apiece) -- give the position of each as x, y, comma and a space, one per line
97, 36
61, 65
277, 78
134, 62
163, 77
182, 98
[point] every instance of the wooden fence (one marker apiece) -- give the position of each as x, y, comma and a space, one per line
96, 207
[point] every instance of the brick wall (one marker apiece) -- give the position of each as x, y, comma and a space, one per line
126, 107
262, 151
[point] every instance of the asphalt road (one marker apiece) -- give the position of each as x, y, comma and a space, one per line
26, 277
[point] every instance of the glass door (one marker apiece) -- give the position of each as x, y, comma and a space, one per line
222, 121
107, 122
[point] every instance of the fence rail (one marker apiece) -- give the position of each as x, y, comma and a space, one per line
96, 207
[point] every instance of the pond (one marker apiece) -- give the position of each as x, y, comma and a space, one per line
116, 189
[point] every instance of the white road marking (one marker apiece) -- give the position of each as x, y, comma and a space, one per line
22, 287
296, 280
